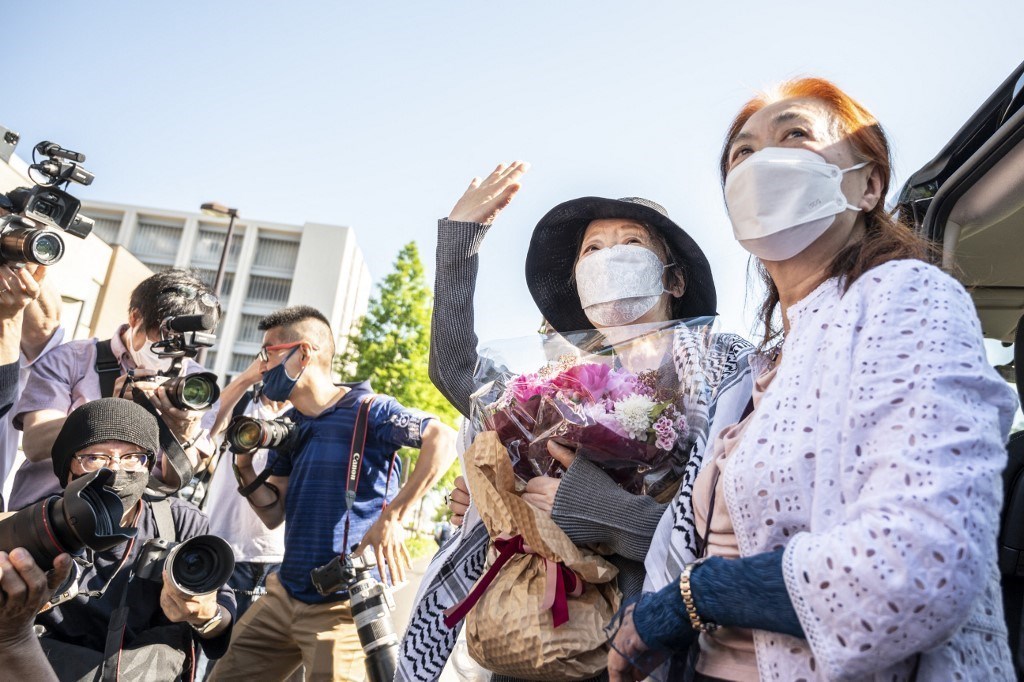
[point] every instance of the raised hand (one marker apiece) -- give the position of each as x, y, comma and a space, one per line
485, 199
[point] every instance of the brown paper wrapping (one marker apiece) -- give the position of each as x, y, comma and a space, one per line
508, 631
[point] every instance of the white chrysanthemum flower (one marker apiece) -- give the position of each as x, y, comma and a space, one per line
634, 415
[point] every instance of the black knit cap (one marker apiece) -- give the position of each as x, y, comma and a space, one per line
552, 255
100, 420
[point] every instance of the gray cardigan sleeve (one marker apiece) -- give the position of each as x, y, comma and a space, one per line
453, 357
592, 509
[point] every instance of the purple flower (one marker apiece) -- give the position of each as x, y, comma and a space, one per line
620, 384
665, 431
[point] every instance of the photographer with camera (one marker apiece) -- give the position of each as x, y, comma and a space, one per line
80, 371
156, 607
258, 549
295, 622
29, 328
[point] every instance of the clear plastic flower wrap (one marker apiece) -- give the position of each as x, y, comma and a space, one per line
632, 399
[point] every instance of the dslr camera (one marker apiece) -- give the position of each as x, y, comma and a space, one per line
199, 565
30, 232
183, 337
245, 434
88, 514
372, 605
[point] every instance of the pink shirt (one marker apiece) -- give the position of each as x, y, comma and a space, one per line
727, 653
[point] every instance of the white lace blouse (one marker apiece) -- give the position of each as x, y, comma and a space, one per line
875, 459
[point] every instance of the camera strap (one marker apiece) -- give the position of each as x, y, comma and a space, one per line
355, 461
107, 368
174, 453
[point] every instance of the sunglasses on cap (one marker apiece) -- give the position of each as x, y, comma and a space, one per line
191, 293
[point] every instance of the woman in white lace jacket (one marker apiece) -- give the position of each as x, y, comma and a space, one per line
858, 504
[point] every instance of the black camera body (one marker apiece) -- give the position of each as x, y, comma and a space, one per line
372, 605
183, 337
199, 565
29, 233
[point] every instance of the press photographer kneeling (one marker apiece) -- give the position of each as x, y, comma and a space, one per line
135, 615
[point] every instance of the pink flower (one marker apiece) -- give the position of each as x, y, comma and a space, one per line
620, 384
587, 381
525, 386
598, 415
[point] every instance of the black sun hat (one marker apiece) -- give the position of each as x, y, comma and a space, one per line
552, 256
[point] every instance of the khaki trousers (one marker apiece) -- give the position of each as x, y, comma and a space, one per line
279, 633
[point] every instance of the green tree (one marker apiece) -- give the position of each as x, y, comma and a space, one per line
390, 346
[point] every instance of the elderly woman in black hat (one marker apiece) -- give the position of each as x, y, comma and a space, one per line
593, 263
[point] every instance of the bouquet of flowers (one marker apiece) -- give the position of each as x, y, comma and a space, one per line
636, 424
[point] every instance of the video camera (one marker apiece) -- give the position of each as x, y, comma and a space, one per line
27, 232
183, 337
371, 603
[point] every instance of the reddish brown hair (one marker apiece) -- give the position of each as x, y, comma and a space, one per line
885, 239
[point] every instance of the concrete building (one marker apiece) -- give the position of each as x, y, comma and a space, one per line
270, 265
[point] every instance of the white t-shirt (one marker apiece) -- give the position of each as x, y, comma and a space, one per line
232, 518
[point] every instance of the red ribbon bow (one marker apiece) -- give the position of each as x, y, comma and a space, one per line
561, 583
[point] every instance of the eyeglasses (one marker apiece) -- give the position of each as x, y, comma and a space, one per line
264, 354
190, 293
130, 461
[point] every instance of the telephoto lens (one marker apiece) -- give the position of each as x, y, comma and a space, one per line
199, 565
371, 609
193, 391
30, 245
88, 515
246, 434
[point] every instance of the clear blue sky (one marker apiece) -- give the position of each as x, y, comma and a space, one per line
376, 115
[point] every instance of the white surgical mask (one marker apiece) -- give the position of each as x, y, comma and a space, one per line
781, 199
146, 357
619, 284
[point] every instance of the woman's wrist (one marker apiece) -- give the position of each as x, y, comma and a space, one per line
661, 620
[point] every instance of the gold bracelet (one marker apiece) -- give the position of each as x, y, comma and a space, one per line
687, 594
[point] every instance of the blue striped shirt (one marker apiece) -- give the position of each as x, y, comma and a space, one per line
317, 469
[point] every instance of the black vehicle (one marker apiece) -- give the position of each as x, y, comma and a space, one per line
969, 200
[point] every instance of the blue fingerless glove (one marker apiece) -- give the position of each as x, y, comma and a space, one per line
747, 593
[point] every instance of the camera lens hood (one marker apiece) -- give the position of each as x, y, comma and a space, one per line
200, 565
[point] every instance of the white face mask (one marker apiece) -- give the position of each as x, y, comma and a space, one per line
619, 284
781, 199
146, 357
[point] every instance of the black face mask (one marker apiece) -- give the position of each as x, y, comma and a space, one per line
129, 486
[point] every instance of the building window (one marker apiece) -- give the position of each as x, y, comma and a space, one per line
156, 240
211, 359
208, 275
272, 290
210, 243
239, 361
106, 228
276, 254
248, 329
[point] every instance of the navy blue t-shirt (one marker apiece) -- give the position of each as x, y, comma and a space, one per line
317, 468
